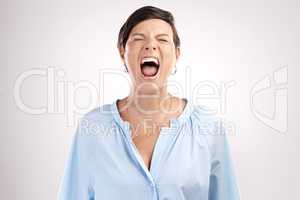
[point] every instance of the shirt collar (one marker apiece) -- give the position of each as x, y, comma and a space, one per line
174, 122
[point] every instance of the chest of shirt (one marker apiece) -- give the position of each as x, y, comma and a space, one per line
179, 160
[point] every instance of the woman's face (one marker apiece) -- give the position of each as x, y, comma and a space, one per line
150, 54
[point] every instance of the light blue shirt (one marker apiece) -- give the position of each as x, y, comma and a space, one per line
191, 160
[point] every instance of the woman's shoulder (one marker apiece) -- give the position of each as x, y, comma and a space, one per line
202, 113
95, 122
208, 123
101, 115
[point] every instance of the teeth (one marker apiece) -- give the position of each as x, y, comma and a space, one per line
150, 59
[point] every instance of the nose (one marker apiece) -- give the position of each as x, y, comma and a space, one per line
150, 45
153, 47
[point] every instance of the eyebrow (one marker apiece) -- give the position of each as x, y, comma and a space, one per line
141, 34
138, 34
163, 34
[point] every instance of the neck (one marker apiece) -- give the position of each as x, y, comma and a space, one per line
151, 103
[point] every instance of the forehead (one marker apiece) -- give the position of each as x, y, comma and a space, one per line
155, 26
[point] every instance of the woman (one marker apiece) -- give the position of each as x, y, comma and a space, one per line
149, 145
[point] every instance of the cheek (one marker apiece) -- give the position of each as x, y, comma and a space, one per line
131, 55
169, 56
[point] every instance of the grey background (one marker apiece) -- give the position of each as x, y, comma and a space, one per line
242, 41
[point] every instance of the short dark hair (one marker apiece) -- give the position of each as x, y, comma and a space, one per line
142, 14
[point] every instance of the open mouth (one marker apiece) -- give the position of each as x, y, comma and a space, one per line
149, 66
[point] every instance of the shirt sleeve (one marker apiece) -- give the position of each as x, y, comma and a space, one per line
75, 183
223, 185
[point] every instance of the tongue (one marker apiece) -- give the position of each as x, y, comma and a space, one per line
149, 70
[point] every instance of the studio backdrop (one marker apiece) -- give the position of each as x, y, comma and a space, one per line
59, 60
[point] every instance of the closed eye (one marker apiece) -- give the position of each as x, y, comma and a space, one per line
137, 39
163, 40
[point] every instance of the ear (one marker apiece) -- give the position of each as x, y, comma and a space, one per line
177, 52
122, 52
